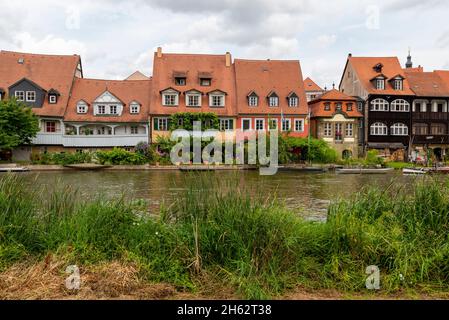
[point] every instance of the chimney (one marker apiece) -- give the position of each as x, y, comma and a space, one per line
350, 55
159, 52
228, 59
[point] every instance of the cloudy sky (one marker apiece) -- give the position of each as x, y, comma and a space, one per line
117, 37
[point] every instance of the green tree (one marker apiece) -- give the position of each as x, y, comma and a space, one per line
18, 124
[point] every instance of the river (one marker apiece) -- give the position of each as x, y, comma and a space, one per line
309, 194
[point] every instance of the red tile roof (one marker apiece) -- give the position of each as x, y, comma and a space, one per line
137, 76
192, 66
47, 71
444, 76
364, 68
266, 76
127, 91
428, 84
310, 85
317, 106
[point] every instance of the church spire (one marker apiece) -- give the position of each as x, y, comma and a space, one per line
409, 63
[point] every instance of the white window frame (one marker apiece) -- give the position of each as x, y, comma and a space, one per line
212, 102
101, 109
253, 101
379, 104
173, 102
134, 108
349, 130
398, 84
273, 101
380, 84
399, 129
379, 129
161, 122
115, 108
250, 124
225, 124
28, 93
52, 99
285, 127
400, 105
205, 82
302, 125
293, 102
22, 93
82, 108
193, 95
45, 126
257, 122
327, 129
270, 121
134, 130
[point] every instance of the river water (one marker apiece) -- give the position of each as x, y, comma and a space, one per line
309, 194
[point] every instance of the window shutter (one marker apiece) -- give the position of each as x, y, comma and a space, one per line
231, 124
156, 124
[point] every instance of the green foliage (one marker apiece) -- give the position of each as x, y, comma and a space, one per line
18, 124
120, 156
293, 149
373, 159
185, 120
63, 158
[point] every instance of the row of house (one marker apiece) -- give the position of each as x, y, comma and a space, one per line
402, 112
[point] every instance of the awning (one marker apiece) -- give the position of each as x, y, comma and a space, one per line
386, 145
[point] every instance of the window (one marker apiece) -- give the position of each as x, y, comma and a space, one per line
52, 99
349, 107
81, 107
380, 84
421, 106
260, 124
101, 109
379, 105
134, 130
205, 82
338, 132
273, 101
338, 106
349, 130
273, 124
253, 101
327, 106
113, 110
379, 129
299, 125
50, 126
400, 105
246, 124
360, 106
193, 100
420, 128
31, 96
161, 124
293, 102
399, 129
170, 100
398, 84
328, 129
226, 124
20, 95
438, 128
180, 81
286, 125
134, 108
217, 101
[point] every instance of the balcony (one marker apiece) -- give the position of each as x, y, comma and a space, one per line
82, 141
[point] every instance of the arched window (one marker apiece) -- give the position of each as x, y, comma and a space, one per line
379, 105
379, 129
81, 107
399, 129
400, 105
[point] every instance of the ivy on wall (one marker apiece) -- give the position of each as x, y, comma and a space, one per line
185, 120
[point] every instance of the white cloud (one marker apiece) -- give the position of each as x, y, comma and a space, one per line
49, 44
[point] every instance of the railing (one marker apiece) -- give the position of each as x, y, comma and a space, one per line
90, 141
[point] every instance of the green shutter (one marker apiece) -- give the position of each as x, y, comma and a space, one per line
231, 124
156, 124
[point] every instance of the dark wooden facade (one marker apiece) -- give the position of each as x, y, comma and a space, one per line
431, 119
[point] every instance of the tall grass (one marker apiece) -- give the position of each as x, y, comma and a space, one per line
236, 235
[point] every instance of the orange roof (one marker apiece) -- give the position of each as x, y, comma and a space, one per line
332, 97
137, 76
428, 84
47, 71
264, 77
127, 91
310, 85
364, 68
444, 76
192, 66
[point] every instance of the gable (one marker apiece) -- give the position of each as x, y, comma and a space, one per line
108, 97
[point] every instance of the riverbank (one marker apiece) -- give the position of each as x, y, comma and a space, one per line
223, 239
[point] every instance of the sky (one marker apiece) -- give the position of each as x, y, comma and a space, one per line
116, 38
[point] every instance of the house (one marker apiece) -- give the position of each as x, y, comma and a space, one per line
381, 83
191, 83
270, 95
106, 114
335, 119
313, 90
44, 82
430, 117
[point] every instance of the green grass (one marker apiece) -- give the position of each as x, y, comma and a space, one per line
400, 165
252, 242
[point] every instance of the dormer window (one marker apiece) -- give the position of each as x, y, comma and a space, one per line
327, 106
273, 100
349, 107
170, 97
398, 84
53, 96
338, 106
20, 95
205, 82
253, 99
193, 98
81, 107
217, 99
134, 108
380, 84
293, 100
31, 96
113, 110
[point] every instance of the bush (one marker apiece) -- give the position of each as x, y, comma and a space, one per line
62, 158
120, 156
292, 149
373, 159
